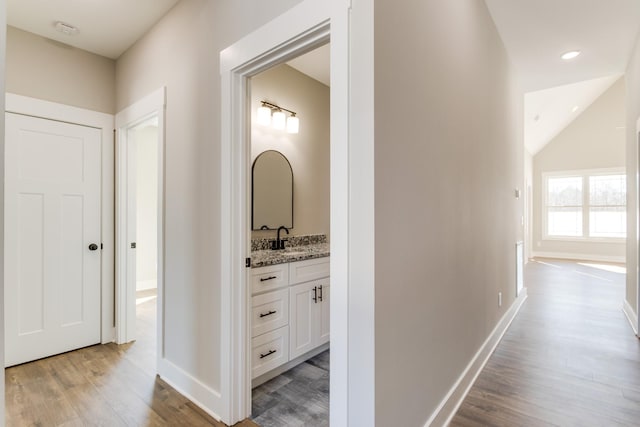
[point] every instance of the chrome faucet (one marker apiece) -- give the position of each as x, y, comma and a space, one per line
279, 243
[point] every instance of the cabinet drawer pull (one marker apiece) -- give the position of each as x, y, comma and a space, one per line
315, 294
269, 353
268, 314
264, 279
320, 297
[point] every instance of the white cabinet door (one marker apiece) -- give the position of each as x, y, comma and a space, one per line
52, 216
302, 312
309, 316
323, 314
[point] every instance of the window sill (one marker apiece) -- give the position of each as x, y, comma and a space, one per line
618, 240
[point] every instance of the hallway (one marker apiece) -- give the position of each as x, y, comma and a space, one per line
569, 358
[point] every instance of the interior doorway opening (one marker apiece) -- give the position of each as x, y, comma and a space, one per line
288, 286
140, 228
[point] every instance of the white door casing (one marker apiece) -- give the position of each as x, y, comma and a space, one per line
152, 105
52, 202
297, 31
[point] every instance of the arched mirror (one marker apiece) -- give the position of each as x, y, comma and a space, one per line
272, 192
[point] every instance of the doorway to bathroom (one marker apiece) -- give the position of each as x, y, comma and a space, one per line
289, 284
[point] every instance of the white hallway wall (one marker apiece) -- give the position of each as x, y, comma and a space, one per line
632, 78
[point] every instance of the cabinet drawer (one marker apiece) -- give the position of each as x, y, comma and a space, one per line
269, 311
269, 278
268, 351
303, 271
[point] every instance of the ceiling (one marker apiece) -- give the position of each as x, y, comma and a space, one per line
547, 112
315, 64
107, 28
537, 32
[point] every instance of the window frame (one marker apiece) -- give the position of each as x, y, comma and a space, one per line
584, 174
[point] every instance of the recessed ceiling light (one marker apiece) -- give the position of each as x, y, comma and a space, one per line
67, 29
575, 108
570, 55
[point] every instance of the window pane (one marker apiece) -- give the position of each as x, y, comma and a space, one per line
565, 191
608, 222
608, 190
564, 221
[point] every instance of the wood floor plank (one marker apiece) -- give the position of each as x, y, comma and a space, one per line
103, 385
569, 358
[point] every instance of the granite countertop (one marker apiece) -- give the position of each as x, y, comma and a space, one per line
261, 258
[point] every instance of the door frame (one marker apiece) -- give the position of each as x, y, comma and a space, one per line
297, 31
636, 137
104, 122
149, 106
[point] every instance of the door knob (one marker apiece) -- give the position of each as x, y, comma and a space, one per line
93, 247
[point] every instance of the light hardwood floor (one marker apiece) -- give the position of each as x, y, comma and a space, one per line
570, 357
102, 385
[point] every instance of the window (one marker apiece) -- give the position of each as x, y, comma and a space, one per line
589, 204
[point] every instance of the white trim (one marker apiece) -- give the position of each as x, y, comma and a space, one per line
448, 407
631, 316
151, 105
352, 394
105, 122
580, 257
637, 217
190, 387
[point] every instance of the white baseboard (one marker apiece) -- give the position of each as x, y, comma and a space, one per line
580, 257
448, 407
632, 317
206, 398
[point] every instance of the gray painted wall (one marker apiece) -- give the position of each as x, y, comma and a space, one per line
594, 140
307, 151
448, 157
44, 69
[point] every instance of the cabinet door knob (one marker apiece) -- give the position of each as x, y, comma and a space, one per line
320, 297
93, 247
315, 294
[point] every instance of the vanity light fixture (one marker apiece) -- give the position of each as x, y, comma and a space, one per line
278, 119
274, 115
570, 55
264, 115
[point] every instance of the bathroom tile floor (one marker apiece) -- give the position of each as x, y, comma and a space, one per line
298, 397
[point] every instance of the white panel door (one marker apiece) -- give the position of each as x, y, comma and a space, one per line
52, 216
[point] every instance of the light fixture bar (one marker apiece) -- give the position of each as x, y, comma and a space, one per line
277, 107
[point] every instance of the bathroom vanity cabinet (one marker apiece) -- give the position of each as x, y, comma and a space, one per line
290, 312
